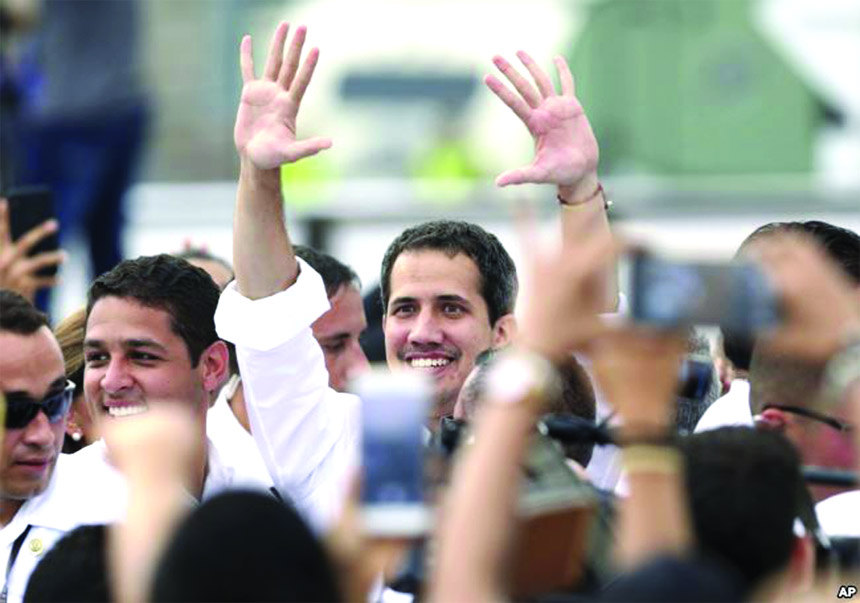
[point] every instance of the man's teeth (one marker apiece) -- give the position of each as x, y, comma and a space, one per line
429, 362
126, 411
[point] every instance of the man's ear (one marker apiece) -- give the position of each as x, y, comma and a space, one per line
215, 361
504, 330
772, 418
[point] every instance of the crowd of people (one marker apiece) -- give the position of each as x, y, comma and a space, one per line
215, 449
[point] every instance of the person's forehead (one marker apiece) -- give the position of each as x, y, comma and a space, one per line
346, 314
34, 363
433, 273
218, 271
125, 318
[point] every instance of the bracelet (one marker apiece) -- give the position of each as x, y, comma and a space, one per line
644, 458
606, 202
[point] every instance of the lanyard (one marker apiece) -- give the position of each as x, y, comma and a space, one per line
13, 556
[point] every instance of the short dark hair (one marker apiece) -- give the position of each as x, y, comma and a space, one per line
170, 284
19, 316
75, 569
745, 491
840, 244
334, 273
244, 546
498, 274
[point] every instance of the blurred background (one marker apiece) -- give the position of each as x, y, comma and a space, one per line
713, 116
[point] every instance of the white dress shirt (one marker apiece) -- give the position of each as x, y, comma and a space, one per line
306, 432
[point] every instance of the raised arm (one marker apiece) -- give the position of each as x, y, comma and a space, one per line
265, 137
305, 432
566, 152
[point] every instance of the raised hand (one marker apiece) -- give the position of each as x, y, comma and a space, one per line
566, 151
265, 131
19, 272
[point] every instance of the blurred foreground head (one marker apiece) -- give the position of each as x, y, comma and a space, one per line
745, 490
244, 546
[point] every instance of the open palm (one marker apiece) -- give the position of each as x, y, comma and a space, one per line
265, 131
565, 147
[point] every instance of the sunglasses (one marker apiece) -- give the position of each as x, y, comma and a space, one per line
833, 422
21, 408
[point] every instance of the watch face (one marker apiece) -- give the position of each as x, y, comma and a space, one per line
513, 378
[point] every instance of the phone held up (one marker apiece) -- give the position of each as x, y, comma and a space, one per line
394, 411
735, 296
28, 208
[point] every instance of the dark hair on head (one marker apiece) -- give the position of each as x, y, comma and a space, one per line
335, 274
744, 488
244, 546
19, 316
840, 244
75, 569
167, 283
498, 274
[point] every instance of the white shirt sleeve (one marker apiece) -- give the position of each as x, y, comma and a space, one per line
307, 433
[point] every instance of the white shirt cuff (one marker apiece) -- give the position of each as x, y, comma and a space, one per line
266, 323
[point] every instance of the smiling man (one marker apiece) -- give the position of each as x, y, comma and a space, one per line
33, 381
448, 292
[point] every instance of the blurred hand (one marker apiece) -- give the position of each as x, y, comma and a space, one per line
362, 559
18, 272
820, 307
638, 371
566, 151
565, 292
265, 131
159, 443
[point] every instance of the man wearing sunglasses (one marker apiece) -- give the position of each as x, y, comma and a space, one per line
38, 396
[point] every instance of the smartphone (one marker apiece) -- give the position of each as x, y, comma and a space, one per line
735, 296
29, 207
395, 407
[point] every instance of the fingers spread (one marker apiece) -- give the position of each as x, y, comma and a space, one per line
246, 60
276, 52
541, 79
291, 64
522, 85
297, 91
516, 104
568, 88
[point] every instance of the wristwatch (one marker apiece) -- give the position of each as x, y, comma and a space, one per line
518, 376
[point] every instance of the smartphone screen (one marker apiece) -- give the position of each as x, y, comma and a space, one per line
29, 207
736, 296
394, 411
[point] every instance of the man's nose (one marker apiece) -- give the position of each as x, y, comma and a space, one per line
357, 360
116, 377
39, 431
426, 329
